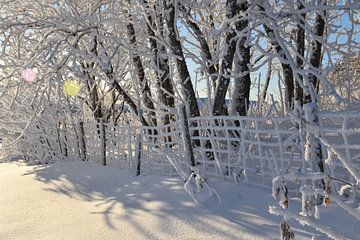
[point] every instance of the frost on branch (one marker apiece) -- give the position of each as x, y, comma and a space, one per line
198, 188
286, 232
280, 191
307, 200
296, 115
345, 191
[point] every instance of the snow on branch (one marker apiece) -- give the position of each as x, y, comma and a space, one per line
306, 221
355, 173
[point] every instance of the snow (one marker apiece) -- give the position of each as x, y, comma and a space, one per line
85, 201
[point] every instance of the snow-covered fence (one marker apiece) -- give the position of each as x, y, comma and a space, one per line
115, 146
247, 149
158, 144
254, 149
338, 135
118, 145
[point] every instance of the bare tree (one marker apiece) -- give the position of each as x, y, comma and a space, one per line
140, 72
219, 108
241, 94
177, 50
155, 26
300, 46
313, 143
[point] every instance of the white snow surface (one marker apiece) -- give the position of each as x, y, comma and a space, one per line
85, 201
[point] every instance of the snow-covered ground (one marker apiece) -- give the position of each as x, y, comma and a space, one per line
85, 201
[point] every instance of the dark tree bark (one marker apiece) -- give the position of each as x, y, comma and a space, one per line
211, 67
300, 46
315, 56
313, 142
267, 82
128, 100
222, 86
95, 104
176, 48
214, 44
82, 141
145, 89
287, 71
109, 72
204, 46
241, 94
161, 62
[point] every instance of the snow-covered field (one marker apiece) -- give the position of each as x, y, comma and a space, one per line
85, 201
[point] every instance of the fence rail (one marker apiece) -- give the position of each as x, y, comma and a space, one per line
249, 149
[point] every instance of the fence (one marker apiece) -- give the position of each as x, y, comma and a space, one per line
340, 135
249, 149
121, 145
245, 147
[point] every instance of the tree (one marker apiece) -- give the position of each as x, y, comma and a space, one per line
219, 108
140, 72
300, 47
176, 48
155, 26
346, 80
241, 95
313, 145
272, 32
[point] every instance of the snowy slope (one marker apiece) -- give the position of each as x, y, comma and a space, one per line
84, 201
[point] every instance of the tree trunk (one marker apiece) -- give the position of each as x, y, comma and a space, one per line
204, 46
287, 71
129, 101
222, 86
91, 85
186, 138
180, 60
109, 72
267, 82
214, 44
82, 141
313, 144
241, 95
315, 57
102, 135
145, 89
300, 46
161, 62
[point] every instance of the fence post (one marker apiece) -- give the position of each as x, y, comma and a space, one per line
138, 153
82, 140
66, 151
130, 154
101, 127
184, 125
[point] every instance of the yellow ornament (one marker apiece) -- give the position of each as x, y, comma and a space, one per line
71, 88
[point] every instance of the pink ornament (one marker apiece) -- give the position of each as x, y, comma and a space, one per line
28, 75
